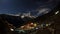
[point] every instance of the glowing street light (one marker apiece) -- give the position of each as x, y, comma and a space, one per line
31, 23
57, 12
12, 29
47, 24
35, 24
22, 16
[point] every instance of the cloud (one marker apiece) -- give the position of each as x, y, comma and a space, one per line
43, 11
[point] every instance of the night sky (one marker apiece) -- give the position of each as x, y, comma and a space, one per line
21, 6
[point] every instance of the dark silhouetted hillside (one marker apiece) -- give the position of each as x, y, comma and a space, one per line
15, 20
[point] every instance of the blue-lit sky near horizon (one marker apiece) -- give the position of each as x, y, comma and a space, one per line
19, 6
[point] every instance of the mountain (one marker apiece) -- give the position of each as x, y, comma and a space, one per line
15, 20
51, 16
